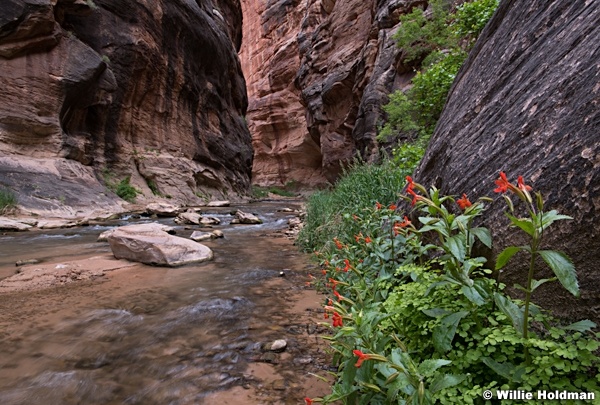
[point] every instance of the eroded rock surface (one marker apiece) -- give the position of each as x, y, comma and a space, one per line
527, 102
121, 87
318, 72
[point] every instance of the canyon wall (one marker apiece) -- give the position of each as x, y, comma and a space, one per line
527, 101
151, 89
318, 72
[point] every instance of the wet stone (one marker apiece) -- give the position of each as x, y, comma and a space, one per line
269, 357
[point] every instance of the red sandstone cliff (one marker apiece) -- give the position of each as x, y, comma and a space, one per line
318, 72
151, 89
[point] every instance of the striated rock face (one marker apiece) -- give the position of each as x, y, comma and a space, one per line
318, 72
527, 102
151, 89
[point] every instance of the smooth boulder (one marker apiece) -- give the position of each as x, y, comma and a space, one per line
140, 228
162, 209
245, 218
156, 247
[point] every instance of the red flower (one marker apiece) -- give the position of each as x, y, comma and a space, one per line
464, 202
308, 401
368, 240
347, 265
326, 315
338, 243
338, 295
402, 224
522, 185
410, 189
324, 272
377, 205
334, 283
503, 184
337, 320
329, 301
358, 237
361, 357
393, 207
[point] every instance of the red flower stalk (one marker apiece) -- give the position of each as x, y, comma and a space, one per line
464, 202
402, 224
361, 357
522, 185
337, 320
503, 184
347, 262
308, 401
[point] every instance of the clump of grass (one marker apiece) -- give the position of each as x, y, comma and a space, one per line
8, 200
360, 187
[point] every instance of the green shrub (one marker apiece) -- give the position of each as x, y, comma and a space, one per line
442, 43
125, 190
8, 200
418, 35
471, 18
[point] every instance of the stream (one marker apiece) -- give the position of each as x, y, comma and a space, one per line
151, 335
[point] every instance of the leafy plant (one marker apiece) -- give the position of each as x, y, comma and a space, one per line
416, 320
534, 226
419, 35
125, 190
8, 200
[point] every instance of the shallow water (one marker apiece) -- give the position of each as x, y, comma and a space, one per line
148, 335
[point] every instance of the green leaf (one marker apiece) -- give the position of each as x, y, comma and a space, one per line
505, 256
506, 370
510, 309
536, 283
581, 326
443, 334
563, 268
428, 367
548, 218
473, 295
435, 312
525, 224
484, 235
456, 247
445, 381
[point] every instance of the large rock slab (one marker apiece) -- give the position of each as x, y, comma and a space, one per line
156, 248
151, 227
527, 102
7, 224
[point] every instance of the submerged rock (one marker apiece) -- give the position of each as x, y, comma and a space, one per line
200, 236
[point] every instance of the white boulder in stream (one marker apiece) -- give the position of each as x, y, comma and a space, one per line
156, 247
139, 228
245, 218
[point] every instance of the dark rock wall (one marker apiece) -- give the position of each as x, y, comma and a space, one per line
527, 102
148, 88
